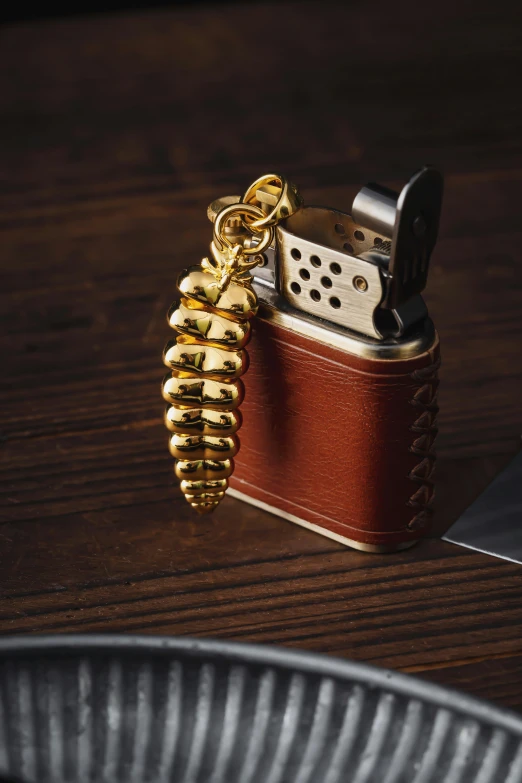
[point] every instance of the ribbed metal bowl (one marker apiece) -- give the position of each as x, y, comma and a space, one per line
132, 709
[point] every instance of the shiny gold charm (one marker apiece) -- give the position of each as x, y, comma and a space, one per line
203, 389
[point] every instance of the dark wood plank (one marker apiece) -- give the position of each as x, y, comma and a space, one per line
498, 678
116, 132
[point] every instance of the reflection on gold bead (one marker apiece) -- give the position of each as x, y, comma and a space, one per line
215, 363
203, 447
202, 421
205, 470
214, 486
193, 393
205, 497
199, 325
236, 302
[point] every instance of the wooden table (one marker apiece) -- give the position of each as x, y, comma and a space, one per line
116, 132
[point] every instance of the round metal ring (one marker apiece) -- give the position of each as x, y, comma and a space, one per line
288, 202
266, 232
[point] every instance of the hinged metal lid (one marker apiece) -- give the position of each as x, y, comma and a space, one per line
363, 271
411, 220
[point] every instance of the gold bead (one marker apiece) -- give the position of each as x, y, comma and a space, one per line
206, 328
195, 393
202, 447
204, 487
197, 470
237, 302
204, 361
202, 421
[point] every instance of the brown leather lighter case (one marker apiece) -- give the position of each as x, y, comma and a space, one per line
338, 443
339, 415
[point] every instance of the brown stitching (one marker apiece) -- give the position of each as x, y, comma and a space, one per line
425, 430
427, 373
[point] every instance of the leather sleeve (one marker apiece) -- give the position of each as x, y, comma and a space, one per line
341, 442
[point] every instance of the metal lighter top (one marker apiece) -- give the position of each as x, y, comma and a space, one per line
366, 271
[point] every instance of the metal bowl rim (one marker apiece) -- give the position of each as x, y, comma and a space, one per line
266, 655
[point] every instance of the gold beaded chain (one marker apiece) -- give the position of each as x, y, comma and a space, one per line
203, 388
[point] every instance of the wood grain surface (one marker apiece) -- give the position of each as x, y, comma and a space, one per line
115, 133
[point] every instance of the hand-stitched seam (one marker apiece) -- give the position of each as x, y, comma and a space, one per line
425, 430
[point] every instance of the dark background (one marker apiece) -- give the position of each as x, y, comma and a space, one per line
116, 131
25, 12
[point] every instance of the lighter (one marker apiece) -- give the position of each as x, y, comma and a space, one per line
339, 413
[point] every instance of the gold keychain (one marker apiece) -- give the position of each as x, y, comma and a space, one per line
203, 389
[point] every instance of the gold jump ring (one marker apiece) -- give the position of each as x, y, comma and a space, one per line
288, 201
243, 210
